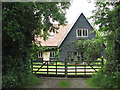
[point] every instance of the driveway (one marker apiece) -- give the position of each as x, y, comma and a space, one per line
52, 82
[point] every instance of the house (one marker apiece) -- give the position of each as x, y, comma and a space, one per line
81, 28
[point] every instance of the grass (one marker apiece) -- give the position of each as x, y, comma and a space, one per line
64, 84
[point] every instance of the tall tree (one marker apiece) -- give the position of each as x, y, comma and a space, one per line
21, 21
107, 17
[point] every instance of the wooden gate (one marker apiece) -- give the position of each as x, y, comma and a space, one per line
66, 68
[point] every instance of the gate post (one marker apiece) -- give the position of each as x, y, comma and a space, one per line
56, 68
85, 68
47, 68
102, 61
65, 68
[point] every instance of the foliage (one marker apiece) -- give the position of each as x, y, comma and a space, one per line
107, 17
64, 84
21, 21
57, 54
11, 81
35, 49
105, 81
32, 81
108, 21
91, 49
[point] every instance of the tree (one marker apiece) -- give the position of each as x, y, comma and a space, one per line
107, 17
108, 21
90, 49
21, 21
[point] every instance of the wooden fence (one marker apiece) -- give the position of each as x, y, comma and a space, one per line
66, 68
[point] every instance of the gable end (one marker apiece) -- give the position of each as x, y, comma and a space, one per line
72, 27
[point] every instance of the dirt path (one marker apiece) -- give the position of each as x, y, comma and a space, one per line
52, 82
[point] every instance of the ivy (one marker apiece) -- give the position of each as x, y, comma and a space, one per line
36, 49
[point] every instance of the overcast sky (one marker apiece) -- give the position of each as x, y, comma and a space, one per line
77, 7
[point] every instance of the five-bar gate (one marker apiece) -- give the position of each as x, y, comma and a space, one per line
66, 68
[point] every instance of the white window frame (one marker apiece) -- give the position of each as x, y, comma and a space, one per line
53, 54
78, 54
81, 32
40, 54
52, 36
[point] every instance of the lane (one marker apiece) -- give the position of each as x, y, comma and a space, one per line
53, 82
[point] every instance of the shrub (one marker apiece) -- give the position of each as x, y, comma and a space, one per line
9, 81
12, 81
32, 80
103, 80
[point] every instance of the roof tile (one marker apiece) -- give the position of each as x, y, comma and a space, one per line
57, 36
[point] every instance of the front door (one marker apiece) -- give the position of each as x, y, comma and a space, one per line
46, 56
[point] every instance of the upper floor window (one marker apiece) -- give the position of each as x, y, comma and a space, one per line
40, 55
52, 54
82, 32
78, 54
51, 35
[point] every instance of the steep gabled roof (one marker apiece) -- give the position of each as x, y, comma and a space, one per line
72, 26
61, 35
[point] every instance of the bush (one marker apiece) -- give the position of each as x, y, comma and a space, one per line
9, 81
32, 81
12, 81
102, 80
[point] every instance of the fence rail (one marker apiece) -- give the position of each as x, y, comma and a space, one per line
66, 68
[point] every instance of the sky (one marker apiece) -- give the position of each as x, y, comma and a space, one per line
77, 7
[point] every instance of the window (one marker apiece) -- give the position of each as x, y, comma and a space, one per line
85, 33
74, 56
79, 32
71, 55
78, 54
39, 42
82, 32
51, 35
40, 55
52, 54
